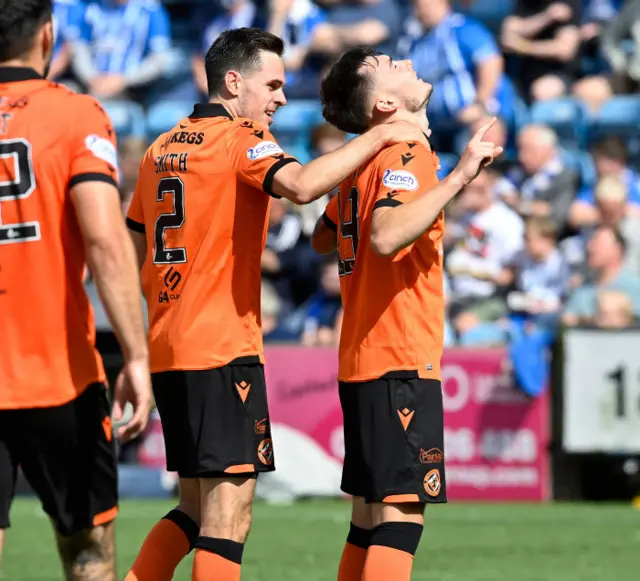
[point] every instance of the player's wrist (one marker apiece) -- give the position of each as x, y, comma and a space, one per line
457, 179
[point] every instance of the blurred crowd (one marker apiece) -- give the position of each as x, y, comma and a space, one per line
549, 235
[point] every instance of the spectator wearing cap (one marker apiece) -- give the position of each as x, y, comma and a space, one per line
124, 48
606, 258
541, 185
460, 58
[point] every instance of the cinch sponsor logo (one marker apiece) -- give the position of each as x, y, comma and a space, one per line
400, 179
263, 149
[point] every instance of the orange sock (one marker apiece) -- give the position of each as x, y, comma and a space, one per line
163, 549
217, 560
390, 554
387, 564
354, 554
352, 563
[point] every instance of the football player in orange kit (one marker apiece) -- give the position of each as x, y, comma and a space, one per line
60, 209
387, 224
199, 219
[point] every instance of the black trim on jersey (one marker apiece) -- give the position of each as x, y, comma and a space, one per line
267, 184
135, 226
202, 110
92, 177
17, 74
246, 360
387, 202
329, 223
401, 374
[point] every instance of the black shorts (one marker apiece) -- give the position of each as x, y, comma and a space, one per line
67, 454
394, 440
215, 421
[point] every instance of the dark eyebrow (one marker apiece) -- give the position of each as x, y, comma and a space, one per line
277, 83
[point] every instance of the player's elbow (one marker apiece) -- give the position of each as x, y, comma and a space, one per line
383, 244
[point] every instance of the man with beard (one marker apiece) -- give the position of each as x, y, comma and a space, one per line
387, 224
60, 209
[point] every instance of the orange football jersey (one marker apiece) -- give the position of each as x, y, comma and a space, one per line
50, 140
202, 202
393, 306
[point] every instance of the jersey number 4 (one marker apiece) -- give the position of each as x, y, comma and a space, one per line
349, 230
15, 155
163, 255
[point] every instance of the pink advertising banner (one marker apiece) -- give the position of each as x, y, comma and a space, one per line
496, 439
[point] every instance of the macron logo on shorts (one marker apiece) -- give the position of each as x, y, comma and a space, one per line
400, 179
263, 149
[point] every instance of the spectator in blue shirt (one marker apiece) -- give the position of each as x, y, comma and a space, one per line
296, 22
460, 58
211, 21
125, 46
324, 308
68, 20
610, 158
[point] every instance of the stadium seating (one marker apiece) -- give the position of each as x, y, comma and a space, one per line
165, 114
128, 118
620, 115
567, 116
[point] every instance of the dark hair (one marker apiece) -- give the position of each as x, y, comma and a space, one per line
237, 50
617, 235
20, 21
345, 90
611, 148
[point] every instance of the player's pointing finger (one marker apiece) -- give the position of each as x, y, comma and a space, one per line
483, 130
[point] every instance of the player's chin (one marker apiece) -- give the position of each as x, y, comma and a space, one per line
268, 120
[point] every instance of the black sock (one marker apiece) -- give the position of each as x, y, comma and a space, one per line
226, 548
403, 536
190, 529
359, 537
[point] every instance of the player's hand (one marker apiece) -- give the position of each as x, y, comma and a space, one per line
400, 132
559, 12
478, 154
133, 386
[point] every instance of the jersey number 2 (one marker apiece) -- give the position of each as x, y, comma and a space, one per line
350, 230
163, 255
19, 186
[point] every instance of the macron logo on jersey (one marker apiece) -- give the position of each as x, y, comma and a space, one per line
400, 179
102, 148
263, 149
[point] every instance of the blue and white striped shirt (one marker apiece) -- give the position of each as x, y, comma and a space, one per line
121, 36
68, 21
447, 56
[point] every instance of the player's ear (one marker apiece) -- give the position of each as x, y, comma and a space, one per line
46, 38
385, 106
233, 82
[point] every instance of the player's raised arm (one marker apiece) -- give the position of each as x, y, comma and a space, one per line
397, 224
303, 184
110, 256
324, 238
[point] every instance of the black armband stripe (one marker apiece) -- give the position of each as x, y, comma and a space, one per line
267, 184
329, 223
92, 177
387, 202
135, 226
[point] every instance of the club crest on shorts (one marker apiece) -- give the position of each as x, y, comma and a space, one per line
432, 484
265, 452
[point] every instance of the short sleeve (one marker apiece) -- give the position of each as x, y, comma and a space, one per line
92, 151
406, 171
331, 212
257, 156
476, 42
159, 29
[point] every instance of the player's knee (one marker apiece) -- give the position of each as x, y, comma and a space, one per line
227, 512
548, 87
361, 514
89, 554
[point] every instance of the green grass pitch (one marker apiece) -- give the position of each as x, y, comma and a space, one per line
461, 542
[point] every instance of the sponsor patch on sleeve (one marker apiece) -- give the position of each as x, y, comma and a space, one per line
263, 149
102, 148
399, 179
